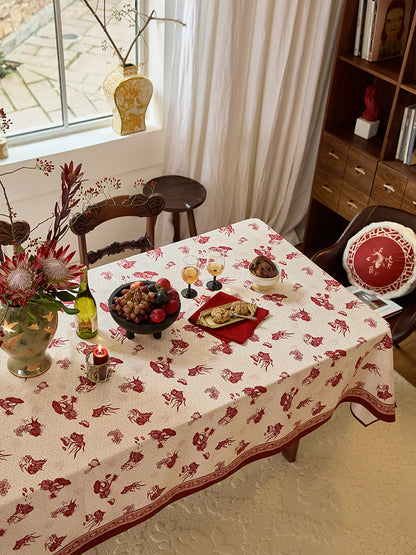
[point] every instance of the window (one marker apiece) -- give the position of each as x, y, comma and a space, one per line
55, 66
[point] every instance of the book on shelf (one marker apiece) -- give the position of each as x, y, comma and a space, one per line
368, 24
383, 307
389, 28
359, 31
408, 133
412, 133
372, 32
403, 134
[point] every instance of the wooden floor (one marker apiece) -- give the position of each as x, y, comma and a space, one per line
405, 359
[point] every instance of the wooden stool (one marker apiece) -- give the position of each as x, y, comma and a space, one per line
182, 194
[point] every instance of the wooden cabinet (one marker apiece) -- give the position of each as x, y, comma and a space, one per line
409, 197
389, 186
352, 172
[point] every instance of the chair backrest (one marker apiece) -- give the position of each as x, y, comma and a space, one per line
330, 260
139, 205
19, 234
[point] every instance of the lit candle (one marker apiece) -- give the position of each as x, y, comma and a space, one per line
100, 355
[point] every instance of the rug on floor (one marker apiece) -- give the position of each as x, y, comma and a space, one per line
350, 491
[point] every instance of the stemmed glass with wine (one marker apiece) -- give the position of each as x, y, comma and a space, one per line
190, 273
215, 267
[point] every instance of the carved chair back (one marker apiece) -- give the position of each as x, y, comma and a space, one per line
139, 205
19, 234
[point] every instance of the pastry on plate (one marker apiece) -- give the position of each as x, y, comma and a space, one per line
220, 314
240, 307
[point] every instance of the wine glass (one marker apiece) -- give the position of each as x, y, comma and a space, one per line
215, 267
190, 273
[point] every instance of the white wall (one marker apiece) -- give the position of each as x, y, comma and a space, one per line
33, 195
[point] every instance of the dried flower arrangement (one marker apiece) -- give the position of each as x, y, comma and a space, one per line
5, 122
118, 14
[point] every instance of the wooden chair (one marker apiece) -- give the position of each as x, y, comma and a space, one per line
21, 231
138, 205
330, 260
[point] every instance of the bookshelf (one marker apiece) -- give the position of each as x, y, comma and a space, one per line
352, 172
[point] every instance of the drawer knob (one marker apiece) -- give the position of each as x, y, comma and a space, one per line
414, 202
352, 205
327, 189
359, 170
333, 155
389, 188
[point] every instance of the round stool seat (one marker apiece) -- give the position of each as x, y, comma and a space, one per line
182, 194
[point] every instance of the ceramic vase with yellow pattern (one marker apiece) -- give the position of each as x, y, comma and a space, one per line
25, 334
129, 95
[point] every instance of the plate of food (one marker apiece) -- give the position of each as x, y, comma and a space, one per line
226, 314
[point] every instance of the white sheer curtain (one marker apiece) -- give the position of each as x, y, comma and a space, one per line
245, 95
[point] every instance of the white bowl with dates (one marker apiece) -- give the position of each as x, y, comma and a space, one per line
263, 266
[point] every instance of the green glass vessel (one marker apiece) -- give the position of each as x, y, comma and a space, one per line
86, 319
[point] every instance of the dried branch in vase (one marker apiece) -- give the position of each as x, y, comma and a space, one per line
118, 14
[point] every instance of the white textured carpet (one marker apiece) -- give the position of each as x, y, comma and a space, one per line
352, 490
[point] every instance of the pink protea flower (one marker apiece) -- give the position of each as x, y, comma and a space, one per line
54, 263
40, 273
19, 279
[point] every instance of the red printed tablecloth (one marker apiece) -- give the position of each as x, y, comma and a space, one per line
82, 461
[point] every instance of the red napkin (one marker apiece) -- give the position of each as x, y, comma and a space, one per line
240, 331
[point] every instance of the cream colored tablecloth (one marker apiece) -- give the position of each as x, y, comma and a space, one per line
80, 461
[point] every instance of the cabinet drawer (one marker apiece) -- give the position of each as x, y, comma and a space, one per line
351, 201
388, 187
359, 170
326, 188
332, 155
409, 198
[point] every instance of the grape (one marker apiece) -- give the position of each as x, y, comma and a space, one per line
161, 298
137, 305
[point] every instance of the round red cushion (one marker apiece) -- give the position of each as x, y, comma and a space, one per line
381, 258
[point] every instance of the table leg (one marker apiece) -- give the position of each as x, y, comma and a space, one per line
191, 223
176, 227
290, 452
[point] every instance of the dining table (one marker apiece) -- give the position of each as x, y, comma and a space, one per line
82, 461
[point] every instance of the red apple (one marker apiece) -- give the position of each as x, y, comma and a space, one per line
163, 282
173, 295
135, 285
157, 315
171, 306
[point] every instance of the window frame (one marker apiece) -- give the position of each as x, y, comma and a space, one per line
99, 123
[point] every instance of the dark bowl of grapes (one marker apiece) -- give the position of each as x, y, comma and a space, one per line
147, 307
